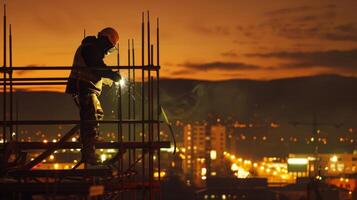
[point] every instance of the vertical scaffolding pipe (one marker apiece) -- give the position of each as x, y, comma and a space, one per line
149, 104
143, 98
118, 57
17, 117
134, 98
129, 102
4, 84
158, 106
148, 42
84, 33
11, 88
119, 110
151, 124
120, 125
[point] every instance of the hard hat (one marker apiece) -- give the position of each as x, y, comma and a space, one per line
111, 34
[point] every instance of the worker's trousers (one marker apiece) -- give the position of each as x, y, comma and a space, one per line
89, 109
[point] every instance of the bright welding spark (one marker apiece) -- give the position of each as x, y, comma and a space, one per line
121, 83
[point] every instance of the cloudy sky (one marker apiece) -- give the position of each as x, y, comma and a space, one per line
200, 39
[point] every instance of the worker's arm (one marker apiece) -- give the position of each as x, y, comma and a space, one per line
94, 59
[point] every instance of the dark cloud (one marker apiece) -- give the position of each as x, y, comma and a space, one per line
219, 65
304, 22
211, 30
299, 9
324, 31
336, 59
229, 54
182, 72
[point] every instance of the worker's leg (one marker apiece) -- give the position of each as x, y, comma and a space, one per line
90, 109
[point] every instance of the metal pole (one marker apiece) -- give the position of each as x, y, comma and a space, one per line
134, 99
142, 99
4, 84
158, 106
149, 104
152, 112
152, 134
119, 128
11, 89
118, 57
17, 117
129, 100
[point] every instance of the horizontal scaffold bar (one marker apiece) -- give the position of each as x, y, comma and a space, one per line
99, 145
45, 68
63, 122
74, 187
36, 83
38, 79
61, 173
78, 188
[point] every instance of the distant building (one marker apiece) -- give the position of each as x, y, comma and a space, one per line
218, 145
330, 164
204, 147
194, 142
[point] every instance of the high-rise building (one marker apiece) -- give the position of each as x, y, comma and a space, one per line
204, 147
194, 144
218, 146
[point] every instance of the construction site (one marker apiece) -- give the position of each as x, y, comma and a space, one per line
129, 174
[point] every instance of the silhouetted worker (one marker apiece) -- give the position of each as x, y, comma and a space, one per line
85, 84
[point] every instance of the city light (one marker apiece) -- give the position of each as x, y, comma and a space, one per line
334, 158
234, 167
203, 171
213, 154
297, 161
56, 166
103, 157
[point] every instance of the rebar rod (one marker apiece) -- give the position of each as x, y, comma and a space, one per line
129, 99
149, 100
143, 96
158, 106
11, 88
4, 83
134, 99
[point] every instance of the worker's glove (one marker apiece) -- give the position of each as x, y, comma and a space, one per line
116, 77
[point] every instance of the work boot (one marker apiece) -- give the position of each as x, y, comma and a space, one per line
88, 151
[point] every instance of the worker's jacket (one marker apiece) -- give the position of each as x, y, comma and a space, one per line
85, 77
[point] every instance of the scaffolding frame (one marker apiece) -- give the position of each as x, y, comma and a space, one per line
120, 179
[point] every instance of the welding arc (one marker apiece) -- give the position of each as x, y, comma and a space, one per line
169, 124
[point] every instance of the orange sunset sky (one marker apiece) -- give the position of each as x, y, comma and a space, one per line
200, 39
